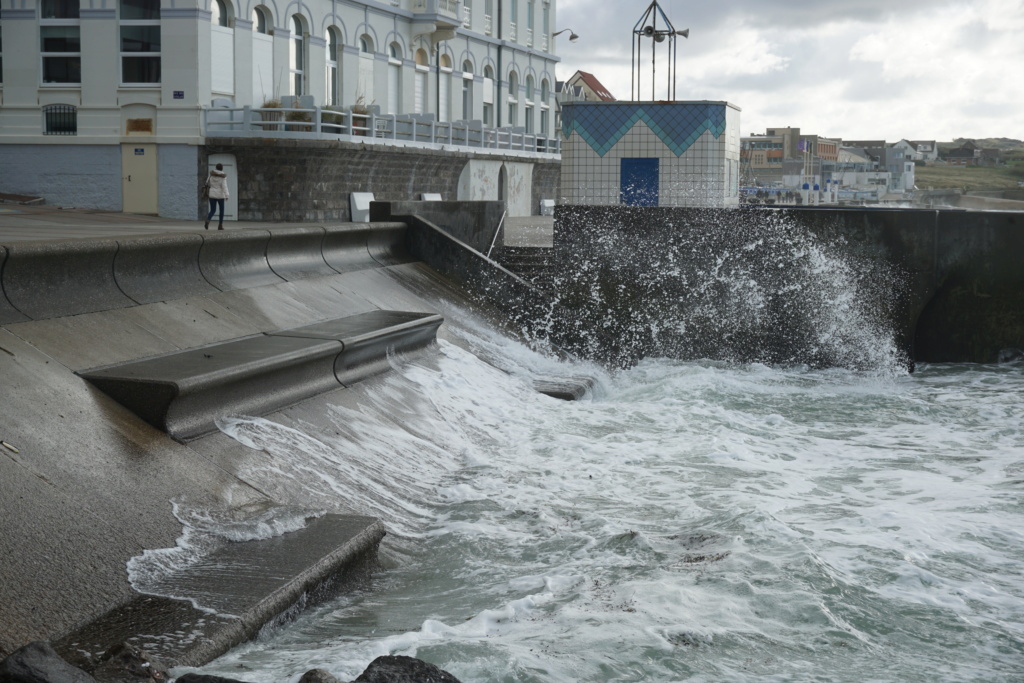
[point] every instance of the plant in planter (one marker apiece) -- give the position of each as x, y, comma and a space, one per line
300, 120
360, 116
334, 116
271, 115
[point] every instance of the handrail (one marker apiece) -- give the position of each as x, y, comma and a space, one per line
496, 232
323, 123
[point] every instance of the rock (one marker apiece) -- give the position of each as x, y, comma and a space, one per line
399, 669
203, 678
38, 663
125, 663
1010, 355
318, 676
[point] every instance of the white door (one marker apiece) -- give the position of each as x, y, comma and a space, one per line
231, 205
139, 192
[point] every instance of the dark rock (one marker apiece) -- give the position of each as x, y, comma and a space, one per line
318, 676
125, 663
399, 669
203, 678
38, 663
1010, 355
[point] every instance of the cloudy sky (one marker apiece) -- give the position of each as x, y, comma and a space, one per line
855, 69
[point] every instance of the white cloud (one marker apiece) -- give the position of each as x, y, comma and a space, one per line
918, 69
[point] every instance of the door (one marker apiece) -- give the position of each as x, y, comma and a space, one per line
139, 192
639, 182
231, 205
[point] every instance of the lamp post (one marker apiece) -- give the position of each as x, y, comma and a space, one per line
572, 34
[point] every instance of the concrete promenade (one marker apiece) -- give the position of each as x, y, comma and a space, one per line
21, 223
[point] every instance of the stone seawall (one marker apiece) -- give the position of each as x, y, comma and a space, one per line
302, 180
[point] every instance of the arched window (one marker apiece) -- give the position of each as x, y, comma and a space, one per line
297, 56
333, 72
529, 87
220, 13
513, 99
366, 44
394, 104
261, 20
467, 90
420, 90
528, 111
490, 88
545, 91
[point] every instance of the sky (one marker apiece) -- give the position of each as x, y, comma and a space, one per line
851, 69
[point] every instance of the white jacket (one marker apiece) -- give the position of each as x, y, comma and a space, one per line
218, 181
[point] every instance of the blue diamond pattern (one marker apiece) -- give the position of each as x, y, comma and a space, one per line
677, 124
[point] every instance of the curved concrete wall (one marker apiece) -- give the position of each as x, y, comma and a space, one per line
160, 268
42, 280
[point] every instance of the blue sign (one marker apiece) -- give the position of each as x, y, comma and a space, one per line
140, 151
179, 94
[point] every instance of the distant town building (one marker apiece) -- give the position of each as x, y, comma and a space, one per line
127, 88
927, 150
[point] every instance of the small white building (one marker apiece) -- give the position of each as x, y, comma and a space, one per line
651, 153
105, 104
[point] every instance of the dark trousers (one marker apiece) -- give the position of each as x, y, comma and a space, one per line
214, 203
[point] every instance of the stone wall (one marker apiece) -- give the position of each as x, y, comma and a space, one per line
298, 180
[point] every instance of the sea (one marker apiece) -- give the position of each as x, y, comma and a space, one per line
700, 520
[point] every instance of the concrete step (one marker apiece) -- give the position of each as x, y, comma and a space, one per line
247, 585
530, 263
184, 393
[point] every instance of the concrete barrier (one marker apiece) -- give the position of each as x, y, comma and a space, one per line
297, 253
350, 247
237, 259
367, 339
472, 223
160, 268
184, 393
52, 279
8, 313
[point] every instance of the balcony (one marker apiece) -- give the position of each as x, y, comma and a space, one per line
467, 17
529, 37
513, 31
488, 24
445, 8
404, 130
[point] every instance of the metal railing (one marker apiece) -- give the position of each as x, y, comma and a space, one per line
421, 130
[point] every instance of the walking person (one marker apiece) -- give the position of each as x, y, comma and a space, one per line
217, 183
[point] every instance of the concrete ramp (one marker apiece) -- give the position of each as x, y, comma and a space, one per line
246, 585
8, 313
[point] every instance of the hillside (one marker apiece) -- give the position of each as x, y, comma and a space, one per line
969, 178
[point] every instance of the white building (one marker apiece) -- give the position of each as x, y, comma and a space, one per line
103, 103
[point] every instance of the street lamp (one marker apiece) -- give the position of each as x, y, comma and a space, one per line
572, 34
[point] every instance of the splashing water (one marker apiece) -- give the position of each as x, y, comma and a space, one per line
738, 286
694, 521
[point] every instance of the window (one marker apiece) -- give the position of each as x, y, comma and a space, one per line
529, 87
140, 41
333, 81
467, 90
366, 44
394, 78
60, 41
545, 91
297, 56
220, 13
60, 119
489, 95
513, 99
260, 20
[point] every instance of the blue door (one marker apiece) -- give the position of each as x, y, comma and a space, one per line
639, 182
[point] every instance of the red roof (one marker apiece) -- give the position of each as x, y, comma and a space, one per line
591, 82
